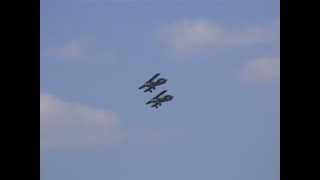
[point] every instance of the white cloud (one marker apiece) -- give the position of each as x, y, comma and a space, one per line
262, 69
187, 37
66, 124
71, 124
82, 50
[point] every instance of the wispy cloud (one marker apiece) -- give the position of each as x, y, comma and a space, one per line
71, 49
67, 124
192, 36
87, 50
262, 69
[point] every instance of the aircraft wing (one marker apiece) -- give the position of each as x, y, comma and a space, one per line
151, 101
148, 89
157, 96
142, 86
153, 77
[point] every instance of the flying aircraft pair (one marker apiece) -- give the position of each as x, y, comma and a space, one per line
160, 98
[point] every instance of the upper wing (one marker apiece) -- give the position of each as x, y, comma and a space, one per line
153, 77
157, 96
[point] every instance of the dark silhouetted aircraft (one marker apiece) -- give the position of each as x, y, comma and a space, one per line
159, 99
152, 83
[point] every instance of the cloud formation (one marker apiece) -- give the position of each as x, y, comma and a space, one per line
87, 50
262, 69
191, 36
71, 124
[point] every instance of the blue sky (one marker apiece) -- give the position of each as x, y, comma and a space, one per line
221, 59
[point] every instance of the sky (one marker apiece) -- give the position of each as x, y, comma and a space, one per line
222, 62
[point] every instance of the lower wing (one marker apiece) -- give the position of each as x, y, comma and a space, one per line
142, 86
148, 89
